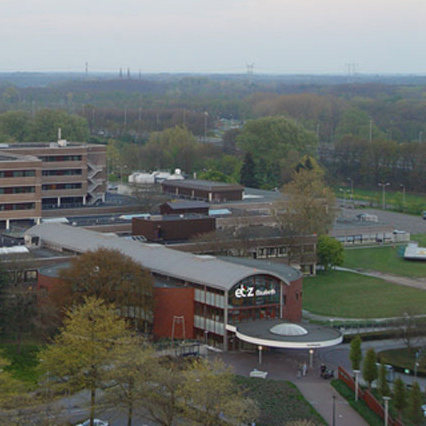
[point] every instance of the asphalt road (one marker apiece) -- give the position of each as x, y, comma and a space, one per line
400, 221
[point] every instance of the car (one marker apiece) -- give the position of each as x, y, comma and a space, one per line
96, 422
424, 215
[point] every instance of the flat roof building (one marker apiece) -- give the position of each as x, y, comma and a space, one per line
44, 175
203, 190
209, 295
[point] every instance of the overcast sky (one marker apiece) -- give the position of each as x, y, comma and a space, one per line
220, 36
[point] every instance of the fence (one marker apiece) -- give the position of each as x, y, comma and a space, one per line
367, 397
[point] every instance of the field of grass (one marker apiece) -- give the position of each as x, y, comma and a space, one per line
23, 365
414, 203
279, 401
384, 259
348, 295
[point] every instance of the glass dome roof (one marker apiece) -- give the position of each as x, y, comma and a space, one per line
287, 329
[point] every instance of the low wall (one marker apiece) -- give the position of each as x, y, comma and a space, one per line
367, 397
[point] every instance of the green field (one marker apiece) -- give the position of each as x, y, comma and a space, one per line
279, 402
383, 259
349, 295
414, 203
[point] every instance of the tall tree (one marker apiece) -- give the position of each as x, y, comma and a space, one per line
369, 369
330, 252
308, 206
81, 354
248, 172
416, 412
399, 396
116, 278
383, 386
355, 354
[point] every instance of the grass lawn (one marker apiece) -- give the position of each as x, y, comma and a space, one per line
384, 259
279, 401
348, 295
402, 358
23, 365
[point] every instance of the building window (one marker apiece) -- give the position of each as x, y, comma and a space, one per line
59, 158
16, 173
17, 190
17, 206
57, 186
62, 172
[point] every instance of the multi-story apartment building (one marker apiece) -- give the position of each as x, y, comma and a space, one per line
42, 175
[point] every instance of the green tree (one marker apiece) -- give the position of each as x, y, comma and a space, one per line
114, 277
355, 354
81, 354
307, 206
330, 252
211, 394
383, 386
248, 172
369, 369
44, 127
14, 125
399, 396
415, 403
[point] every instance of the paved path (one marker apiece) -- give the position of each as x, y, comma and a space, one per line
282, 365
396, 279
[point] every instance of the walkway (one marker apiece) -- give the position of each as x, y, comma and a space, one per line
282, 365
419, 283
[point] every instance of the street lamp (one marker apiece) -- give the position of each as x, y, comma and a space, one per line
352, 189
403, 193
260, 354
386, 399
345, 191
206, 114
311, 358
356, 372
334, 410
384, 185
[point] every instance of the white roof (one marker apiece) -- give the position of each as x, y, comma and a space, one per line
13, 250
414, 252
207, 270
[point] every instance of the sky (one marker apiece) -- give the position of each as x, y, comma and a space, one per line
214, 36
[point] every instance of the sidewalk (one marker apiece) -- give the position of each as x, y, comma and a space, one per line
282, 365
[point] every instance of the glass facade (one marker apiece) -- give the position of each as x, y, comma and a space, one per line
255, 290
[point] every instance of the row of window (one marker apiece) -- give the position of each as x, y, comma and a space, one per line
58, 158
16, 173
17, 190
209, 298
62, 172
17, 206
56, 186
209, 325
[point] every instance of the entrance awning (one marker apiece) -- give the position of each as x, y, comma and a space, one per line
281, 334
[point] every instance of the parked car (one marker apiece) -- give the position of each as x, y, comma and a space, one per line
424, 215
96, 422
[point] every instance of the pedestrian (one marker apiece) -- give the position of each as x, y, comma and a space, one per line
323, 368
304, 369
299, 371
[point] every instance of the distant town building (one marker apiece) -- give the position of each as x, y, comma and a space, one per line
153, 178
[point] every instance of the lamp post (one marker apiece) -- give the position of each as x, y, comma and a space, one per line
386, 399
403, 194
311, 358
260, 354
206, 114
333, 418
345, 191
356, 372
384, 185
352, 190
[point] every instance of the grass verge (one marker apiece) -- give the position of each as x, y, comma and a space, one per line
403, 359
360, 406
349, 295
279, 401
22, 365
384, 259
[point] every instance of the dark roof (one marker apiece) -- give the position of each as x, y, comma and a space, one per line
202, 184
177, 205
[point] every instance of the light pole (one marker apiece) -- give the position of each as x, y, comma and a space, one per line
333, 419
420, 136
345, 191
356, 372
386, 399
384, 185
206, 114
352, 189
403, 194
260, 354
311, 358
371, 130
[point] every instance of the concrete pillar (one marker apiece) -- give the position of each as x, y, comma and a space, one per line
38, 220
84, 200
59, 201
210, 196
103, 198
7, 224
